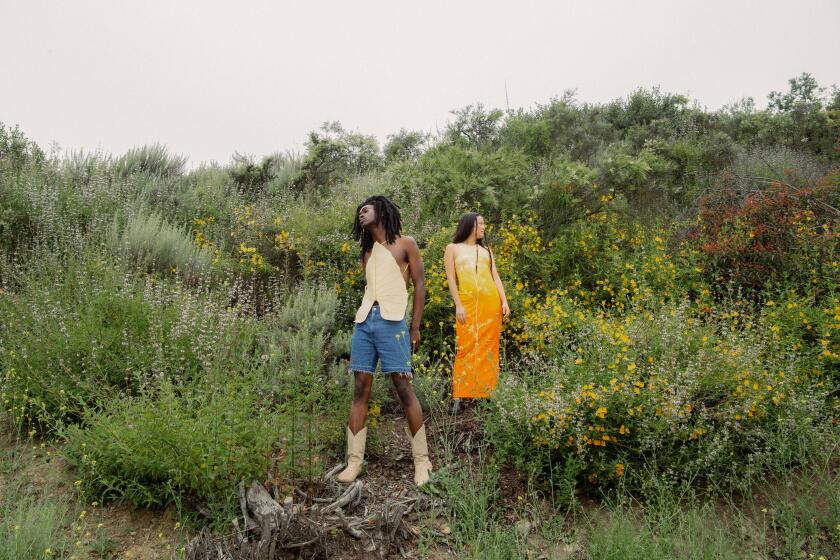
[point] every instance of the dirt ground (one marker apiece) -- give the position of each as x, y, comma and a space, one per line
136, 534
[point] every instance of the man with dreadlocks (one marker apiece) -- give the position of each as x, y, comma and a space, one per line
381, 334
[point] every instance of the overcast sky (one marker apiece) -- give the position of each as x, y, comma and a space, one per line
212, 77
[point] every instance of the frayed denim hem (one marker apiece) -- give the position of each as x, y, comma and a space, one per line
406, 374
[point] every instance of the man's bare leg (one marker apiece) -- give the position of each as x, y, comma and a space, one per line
361, 397
356, 432
411, 406
415, 430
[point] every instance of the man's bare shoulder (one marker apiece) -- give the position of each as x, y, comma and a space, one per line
407, 241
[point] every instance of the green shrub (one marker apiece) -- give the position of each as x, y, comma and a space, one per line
307, 376
560, 128
155, 245
17, 151
474, 126
76, 339
449, 180
248, 176
62, 205
18, 220
645, 107
567, 188
335, 154
177, 444
80, 168
152, 159
205, 192
268, 408
405, 145
638, 176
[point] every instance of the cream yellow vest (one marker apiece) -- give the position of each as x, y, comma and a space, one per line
385, 284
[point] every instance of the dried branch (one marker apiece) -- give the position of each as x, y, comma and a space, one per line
348, 496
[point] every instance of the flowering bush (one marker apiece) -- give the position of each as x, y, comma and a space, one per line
73, 340
685, 394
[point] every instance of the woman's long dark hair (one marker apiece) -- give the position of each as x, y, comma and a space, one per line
387, 214
466, 225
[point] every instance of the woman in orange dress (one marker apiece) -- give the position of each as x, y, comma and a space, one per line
480, 305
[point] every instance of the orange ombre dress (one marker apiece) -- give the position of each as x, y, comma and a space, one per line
476, 370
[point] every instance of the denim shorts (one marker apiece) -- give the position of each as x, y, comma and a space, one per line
377, 339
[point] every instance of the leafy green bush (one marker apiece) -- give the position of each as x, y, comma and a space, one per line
297, 341
561, 128
335, 154
61, 205
205, 192
80, 167
307, 355
268, 408
275, 172
18, 225
449, 180
405, 145
645, 107
566, 191
177, 443
634, 175
17, 151
474, 126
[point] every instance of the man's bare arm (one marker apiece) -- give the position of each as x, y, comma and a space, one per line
415, 267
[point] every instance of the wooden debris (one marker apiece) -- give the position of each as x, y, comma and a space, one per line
270, 530
348, 496
334, 471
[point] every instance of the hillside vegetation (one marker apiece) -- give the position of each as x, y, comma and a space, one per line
674, 341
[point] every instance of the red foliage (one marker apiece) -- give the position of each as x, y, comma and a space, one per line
767, 233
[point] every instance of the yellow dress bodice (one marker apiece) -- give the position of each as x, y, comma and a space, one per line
472, 267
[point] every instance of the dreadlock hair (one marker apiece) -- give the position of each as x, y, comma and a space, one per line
387, 214
465, 227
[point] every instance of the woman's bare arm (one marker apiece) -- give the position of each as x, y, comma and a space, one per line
499, 287
452, 282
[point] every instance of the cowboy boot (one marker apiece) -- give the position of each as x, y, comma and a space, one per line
420, 452
355, 455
